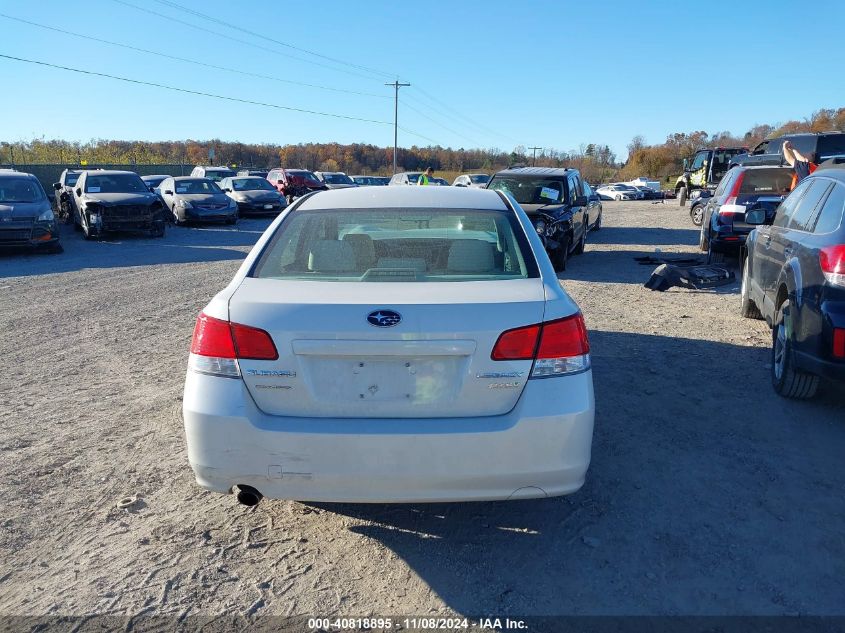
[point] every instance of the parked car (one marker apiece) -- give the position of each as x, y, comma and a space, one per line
794, 277
648, 193
212, 173
253, 194
154, 181
555, 202
381, 181
723, 228
819, 147
65, 207
371, 181
405, 178
112, 200
618, 192
478, 181
26, 215
306, 382
335, 179
293, 183
190, 198
261, 173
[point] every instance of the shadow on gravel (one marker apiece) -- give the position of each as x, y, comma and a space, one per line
701, 499
181, 245
645, 236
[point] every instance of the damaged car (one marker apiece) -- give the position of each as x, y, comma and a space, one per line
107, 200
555, 203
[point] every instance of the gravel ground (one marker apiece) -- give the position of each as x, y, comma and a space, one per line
707, 493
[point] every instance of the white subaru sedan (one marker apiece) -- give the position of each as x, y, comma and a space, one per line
392, 344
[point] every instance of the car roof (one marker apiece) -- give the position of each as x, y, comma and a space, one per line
15, 173
836, 173
536, 171
108, 172
190, 178
392, 197
156, 176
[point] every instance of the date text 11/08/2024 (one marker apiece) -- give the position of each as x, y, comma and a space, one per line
415, 624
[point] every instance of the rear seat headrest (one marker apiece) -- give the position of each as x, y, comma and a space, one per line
470, 256
331, 256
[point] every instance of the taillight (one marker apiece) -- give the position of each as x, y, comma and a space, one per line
217, 345
832, 260
839, 343
732, 196
557, 347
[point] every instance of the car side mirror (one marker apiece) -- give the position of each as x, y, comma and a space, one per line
755, 216
168, 192
580, 201
78, 191
57, 186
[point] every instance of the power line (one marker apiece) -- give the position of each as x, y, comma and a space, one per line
175, 5
465, 118
194, 92
186, 60
235, 39
412, 133
448, 129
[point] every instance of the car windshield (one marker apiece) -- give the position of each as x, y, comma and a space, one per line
338, 179
197, 185
776, 181
251, 184
115, 183
414, 178
70, 179
20, 190
398, 245
530, 190
479, 179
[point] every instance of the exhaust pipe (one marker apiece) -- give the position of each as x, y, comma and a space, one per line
248, 496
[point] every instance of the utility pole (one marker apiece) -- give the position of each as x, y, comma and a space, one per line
396, 85
534, 158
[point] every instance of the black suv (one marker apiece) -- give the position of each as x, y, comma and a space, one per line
723, 225
794, 277
819, 147
106, 200
556, 204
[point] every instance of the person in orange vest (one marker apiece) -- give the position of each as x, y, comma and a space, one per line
802, 165
425, 178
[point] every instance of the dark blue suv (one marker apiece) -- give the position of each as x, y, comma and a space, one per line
794, 277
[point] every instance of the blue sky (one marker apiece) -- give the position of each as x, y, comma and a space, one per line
483, 73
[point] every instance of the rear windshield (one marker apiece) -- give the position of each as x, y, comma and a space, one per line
338, 179
218, 174
830, 146
70, 179
531, 190
20, 190
479, 179
251, 184
398, 245
762, 181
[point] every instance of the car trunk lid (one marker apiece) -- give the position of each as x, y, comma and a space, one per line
435, 362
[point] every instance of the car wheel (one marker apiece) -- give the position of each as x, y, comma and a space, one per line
697, 214
582, 243
176, 219
788, 381
561, 256
87, 232
682, 196
747, 307
597, 225
713, 256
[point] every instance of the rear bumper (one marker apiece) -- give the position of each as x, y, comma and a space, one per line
540, 448
814, 353
258, 207
210, 214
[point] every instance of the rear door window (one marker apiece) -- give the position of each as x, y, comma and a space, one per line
725, 183
805, 210
784, 212
830, 216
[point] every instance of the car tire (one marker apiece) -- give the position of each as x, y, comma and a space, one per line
696, 214
582, 243
87, 233
561, 257
597, 225
747, 307
682, 196
703, 240
787, 380
176, 220
714, 256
